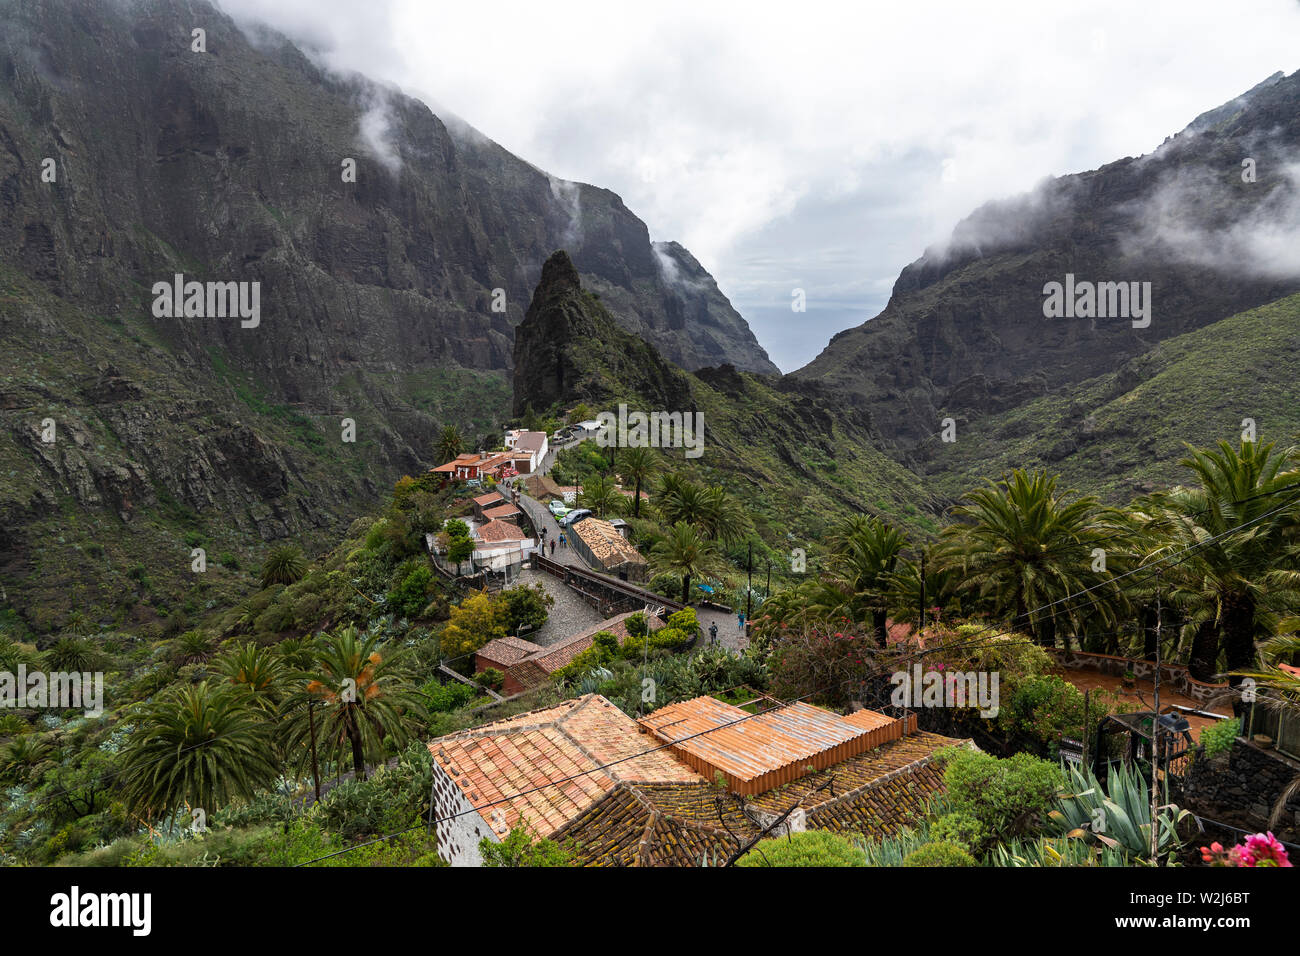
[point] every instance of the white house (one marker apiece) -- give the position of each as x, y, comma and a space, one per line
533, 444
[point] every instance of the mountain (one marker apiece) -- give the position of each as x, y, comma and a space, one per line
798, 460
128, 157
964, 334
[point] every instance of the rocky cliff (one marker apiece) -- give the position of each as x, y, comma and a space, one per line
393, 255
1211, 220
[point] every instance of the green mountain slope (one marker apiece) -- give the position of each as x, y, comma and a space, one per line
1121, 433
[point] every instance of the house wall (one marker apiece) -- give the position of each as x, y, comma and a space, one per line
459, 826
1244, 784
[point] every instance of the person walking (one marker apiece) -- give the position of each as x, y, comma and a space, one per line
713, 633
740, 620
552, 549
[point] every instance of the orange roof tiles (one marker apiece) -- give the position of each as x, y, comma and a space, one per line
484, 500
506, 650
542, 769
500, 511
497, 530
757, 753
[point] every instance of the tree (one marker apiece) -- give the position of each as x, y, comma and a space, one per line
1238, 579
257, 670
478, 619
865, 550
600, 495
1024, 546
450, 444
638, 465
364, 699
717, 515
526, 607
686, 553
200, 745
284, 565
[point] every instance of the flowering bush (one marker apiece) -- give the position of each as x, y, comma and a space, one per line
1260, 849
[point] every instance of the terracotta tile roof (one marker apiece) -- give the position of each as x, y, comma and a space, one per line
658, 825
855, 774
868, 719
542, 768
500, 511
494, 531
605, 543
537, 668
506, 650
873, 795
484, 500
757, 753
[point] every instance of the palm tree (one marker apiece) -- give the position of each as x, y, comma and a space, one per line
284, 565
600, 495
192, 647
450, 444
864, 551
685, 552
1024, 546
365, 699
258, 670
638, 465
717, 515
74, 654
1224, 541
199, 745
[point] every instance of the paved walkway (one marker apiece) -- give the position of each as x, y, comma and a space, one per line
567, 616
562, 623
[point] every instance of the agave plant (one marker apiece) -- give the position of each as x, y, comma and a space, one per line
1050, 851
1118, 816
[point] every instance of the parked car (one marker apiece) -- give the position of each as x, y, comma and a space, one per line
573, 517
558, 508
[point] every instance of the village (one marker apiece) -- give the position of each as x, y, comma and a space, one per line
700, 781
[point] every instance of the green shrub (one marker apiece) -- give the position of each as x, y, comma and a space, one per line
1007, 797
526, 607
960, 829
447, 697
939, 854
809, 848
1219, 736
519, 849
490, 677
411, 594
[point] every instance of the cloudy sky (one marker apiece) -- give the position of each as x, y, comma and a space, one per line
815, 146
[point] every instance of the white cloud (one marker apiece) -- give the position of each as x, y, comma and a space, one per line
739, 128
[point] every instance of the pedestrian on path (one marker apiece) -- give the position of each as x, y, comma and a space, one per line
563, 540
713, 633
740, 620
552, 549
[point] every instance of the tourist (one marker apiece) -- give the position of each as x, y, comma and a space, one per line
713, 633
552, 549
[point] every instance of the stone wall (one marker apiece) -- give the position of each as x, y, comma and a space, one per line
1241, 787
1173, 674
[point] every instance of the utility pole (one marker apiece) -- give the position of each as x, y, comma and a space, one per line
749, 581
767, 591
